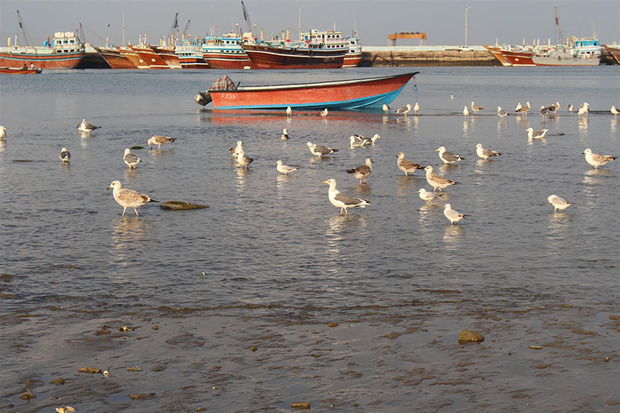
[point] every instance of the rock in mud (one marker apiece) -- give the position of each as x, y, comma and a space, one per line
89, 370
468, 336
181, 205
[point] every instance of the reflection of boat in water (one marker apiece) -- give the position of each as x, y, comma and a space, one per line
253, 117
339, 94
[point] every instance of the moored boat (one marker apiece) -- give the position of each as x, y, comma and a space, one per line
149, 56
340, 94
169, 56
114, 58
133, 57
19, 71
614, 52
190, 54
65, 51
268, 56
354, 53
225, 52
496, 51
576, 52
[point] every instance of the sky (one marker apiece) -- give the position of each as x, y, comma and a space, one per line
488, 22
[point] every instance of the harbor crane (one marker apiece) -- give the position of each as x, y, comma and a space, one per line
246, 17
557, 23
184, 32
407, 35
20, 22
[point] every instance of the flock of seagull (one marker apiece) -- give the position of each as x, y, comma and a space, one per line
129, 198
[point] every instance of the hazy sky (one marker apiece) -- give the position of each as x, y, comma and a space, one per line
508, 21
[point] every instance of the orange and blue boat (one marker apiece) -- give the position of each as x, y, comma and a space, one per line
338, 94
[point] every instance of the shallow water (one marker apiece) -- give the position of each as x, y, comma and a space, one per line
298, 303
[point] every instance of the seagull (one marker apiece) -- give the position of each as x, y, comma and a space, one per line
159, 140
128, 198
536, 135
416, 108
130, 159
524, 109
485, 153
614, 111
465, 111
584, 109
556, 105
437, 181
343, 201
289, 112
65, 156
386, 109
358, 141
2, 133
428, 196
544, 110
596, 159
243, 160
452, 215
518, 107
501, 112
451, 97
405, 165
570, 108
367, 141
285, 169
284, 135
362, 172
558, 202
324, 112
320, 150
475, 107
404, 110
448, 157
236, 149
86, 127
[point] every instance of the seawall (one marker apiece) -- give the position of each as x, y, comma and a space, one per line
381, 56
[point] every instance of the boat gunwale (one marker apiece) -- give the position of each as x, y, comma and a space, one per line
313, 84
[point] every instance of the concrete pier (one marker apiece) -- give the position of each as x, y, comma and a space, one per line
394, 56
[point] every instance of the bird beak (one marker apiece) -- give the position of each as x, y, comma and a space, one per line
324, 182
109, 187
437, 150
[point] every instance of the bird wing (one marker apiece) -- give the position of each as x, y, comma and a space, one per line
348, 200
410, 165
131, 158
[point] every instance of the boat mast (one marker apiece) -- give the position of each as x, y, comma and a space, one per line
300, 24
123, 24
557, 23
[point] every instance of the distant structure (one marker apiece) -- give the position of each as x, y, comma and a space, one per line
407, 35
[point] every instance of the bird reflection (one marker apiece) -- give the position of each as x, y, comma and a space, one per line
282, 179
131, 174
558, 222
583, 123
595, 176
2, 146
465, 125
128, 234
319, 159
386, 119
407, 184
242, 173
614, 124
453, 234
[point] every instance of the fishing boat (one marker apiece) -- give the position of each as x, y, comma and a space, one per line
271, 56
225, 52
339, 94
190, 54
65, 51
19, 71
613, 50
576, 52
332, 40
354, 53
133, 57
149, 56
168, 54
114, 58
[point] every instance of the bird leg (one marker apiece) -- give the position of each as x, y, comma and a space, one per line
136, 211
124, 209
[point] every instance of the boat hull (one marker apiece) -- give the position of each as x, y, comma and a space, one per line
497, 53
15, 71
352, 59
528, 58
228, 61
150, 57
269, 57
41, 60
340, 95
614, 52
115, 59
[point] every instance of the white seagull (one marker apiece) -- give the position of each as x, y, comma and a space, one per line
289, 112
320, 150
386, 109
362, 172
536, 135
65, 156
236, 149
428, 196
416, 108
465, 111
570, 108
128, 198
243, 160
324, 112
284, 135
405, 165
584, 109
130, 159
2, 133
404, 110
614, 110
86, 127
452, 215
475, 107
448, 157
596, 159
159, 140
501, 112
343, 201
358, 141
523, 109
485, 153
558, 202
285, 169
437, 181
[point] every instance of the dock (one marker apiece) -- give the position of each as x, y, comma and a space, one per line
403, 56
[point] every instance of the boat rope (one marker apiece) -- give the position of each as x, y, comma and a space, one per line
415, 88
